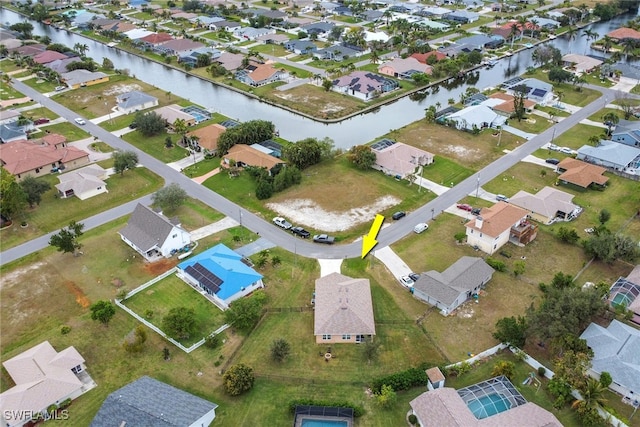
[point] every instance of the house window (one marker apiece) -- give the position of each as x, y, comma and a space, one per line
346, 337
495, 246
471, 231
326, 337
76, 369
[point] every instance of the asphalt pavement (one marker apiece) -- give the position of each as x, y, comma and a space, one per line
262, 226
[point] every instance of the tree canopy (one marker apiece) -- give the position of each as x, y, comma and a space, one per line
251, 132
102, 311
150, 124
12, 196
34, 189
169, 198
362, 156
124, 160
609, 247
244, 313
304, 153
66, 241
179, 323
238, 379
511, 330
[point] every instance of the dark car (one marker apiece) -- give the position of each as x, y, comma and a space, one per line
476, 211
299, 231
552, 161
414, 276
41, 121
399, 215
323, 238
133, 125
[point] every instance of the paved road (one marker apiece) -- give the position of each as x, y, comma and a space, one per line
253, 222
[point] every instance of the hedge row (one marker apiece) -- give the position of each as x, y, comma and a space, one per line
358, 411
404, 380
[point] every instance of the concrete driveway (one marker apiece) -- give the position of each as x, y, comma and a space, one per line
393, 262
94, 156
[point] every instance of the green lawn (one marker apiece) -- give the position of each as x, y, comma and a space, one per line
577, 137
55, 212
155, 146
271, 49
202, 167
445, 171
303, 74
42, 86
532, 124
68, 129
571, 94
172, 292
8, 92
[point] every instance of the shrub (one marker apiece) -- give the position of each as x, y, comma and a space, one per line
148, 313
605, 379
64, 330
358, 411
238, 379
541, 371
496, 264
213, 341
403, 380
65, 404
460, 236
413, 419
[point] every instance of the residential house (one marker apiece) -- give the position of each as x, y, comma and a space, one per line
435, 11
187, 16
230, 61
244, 155
547, 205
475, 117
256, 74
626, 292
178, 47
53, 139
155, 39
300, 47
12, 131
153, 235
399, 159
372, 15
204, 21
446, 406
83, 20
433, 25
28, 50
191, 58
453, 50
624, 33
42, 377
273, 39
173, 112
338, 53
364, 85
118, 26
545, 23
610, 154
626, 132
83, 183
424, 57
135, 100
137, 34
343, 311
222, 274
81, 78
481, 41
404, 68
615, 350
207, 137
581, 174
60, 65
274, 15
451, 288
9, 116
536, 90
48, 56
250, 33
228, 26
462, 16
319, 28
25, 158
499, 224
580, 63
503, 103
149, 402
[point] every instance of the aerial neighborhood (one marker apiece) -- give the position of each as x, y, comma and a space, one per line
320, 213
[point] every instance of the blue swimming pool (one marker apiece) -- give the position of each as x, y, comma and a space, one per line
323, 423
488, 405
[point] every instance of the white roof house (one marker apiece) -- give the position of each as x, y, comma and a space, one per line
476, 116
581, 63
43, 377
83, 183
399, 159
138, 33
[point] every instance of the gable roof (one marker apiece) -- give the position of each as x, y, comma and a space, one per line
48, 56
252, 157
149, 402
147, 229
629, 128
42, 376
208, 136
81, 76
157, 38
262, 72
53, 139
422, 57
616, 349
22, 156
343, 306
497, 219
465, 274
226, 265
546, 202
621, 155
581, 173
81, 180
173, 112
133, 99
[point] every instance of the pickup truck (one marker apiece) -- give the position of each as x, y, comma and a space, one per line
323, 238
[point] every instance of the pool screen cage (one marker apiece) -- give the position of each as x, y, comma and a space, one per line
498, 385
623, 292
324, 411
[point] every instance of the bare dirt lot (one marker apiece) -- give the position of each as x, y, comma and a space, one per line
316, 101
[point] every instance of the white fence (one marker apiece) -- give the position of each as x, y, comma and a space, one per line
151, 282
479, 356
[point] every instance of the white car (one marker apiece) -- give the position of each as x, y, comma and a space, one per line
80, 121
281, 222
420, 227
554, 147
406, 281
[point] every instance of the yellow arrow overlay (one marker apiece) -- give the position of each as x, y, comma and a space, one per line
369, 240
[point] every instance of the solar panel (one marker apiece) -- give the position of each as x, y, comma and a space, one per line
204, 277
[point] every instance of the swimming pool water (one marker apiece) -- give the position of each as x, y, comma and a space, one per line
620, 299
323, 423
488, 405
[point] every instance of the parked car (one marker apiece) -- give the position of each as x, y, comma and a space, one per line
464, 207
281, 222
299, 231
41, 121
566, 150
501, 198
406, 281
420, 227
323, 238
552, 161
476, 211
133, 125
414, 276
80, 121
399, 215
554, 147
60, 88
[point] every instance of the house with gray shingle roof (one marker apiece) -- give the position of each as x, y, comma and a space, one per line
616, 350
149, 402
455, 285
343, 310
153, 235
627, 132
135, 101
613, 155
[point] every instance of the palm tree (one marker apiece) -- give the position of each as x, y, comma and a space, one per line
628, 46
607, 43
534, 26
584, 11
375, 57
180, 127
589, 34
387, 14
522, 22
610, 120
571, 33
592, 395
81, 48
514, 31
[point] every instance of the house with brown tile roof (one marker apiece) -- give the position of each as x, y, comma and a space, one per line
48, 56
507, 107
43, 377
155, 39
343, 310
260, 74
54, 140
207, 137
399, 159
580, 173
498, 225
624, 33
24, 158
423, 57
244, 155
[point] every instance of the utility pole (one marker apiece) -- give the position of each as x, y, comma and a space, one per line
477, 187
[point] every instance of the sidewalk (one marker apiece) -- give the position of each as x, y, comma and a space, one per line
518, 132
432, 186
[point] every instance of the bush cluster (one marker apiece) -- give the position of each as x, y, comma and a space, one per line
497, 265
403, 380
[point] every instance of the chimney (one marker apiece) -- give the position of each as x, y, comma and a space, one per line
479, 222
